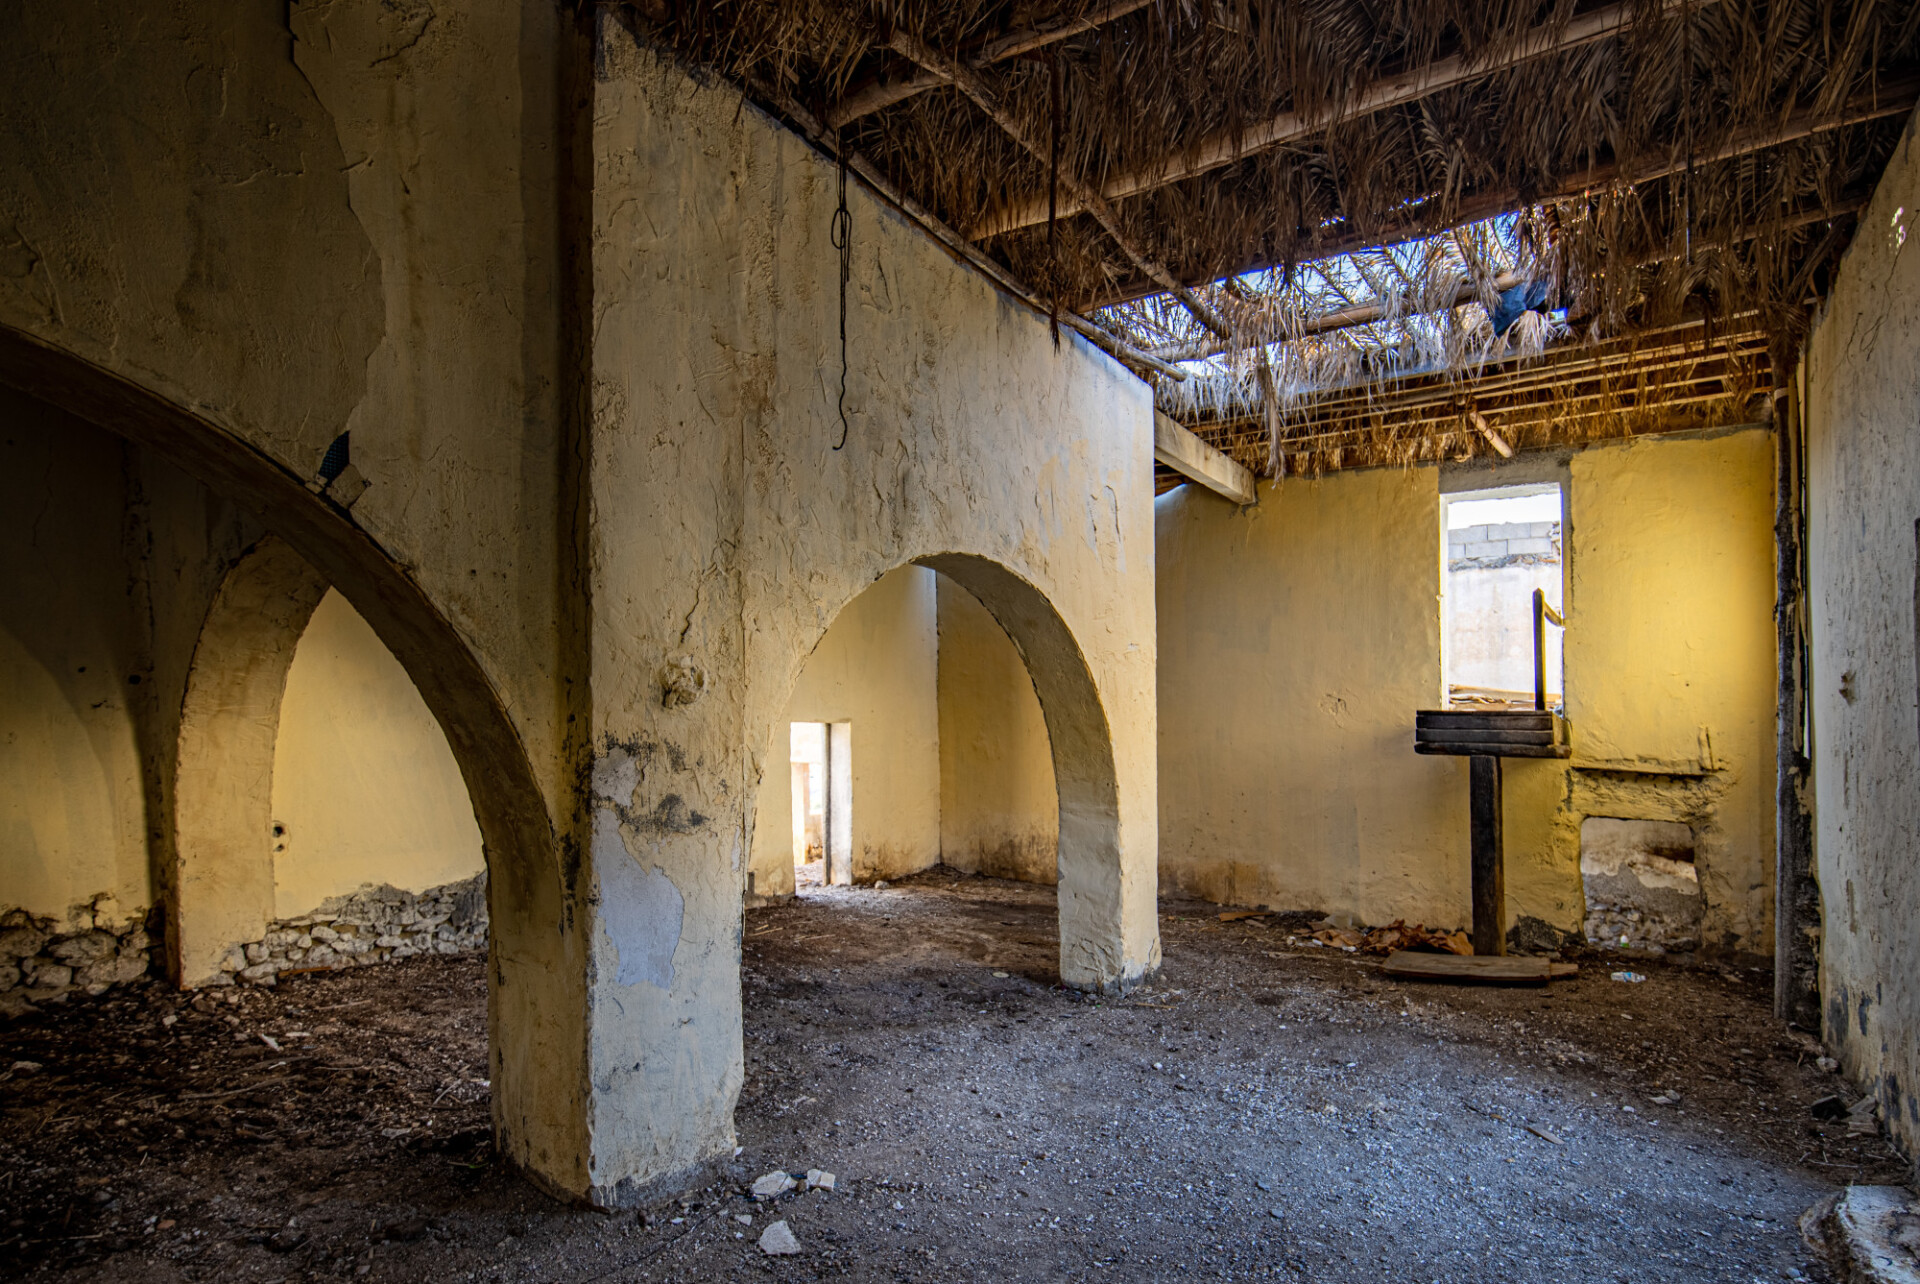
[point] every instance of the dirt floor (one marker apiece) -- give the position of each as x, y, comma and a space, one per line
1260, 1111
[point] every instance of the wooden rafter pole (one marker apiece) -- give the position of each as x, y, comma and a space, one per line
1224, 147
1891, 98
1374, 310
1113, 345
968, 82
871, 98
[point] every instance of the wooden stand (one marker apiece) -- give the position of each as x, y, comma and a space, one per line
1484, 737
1489, 857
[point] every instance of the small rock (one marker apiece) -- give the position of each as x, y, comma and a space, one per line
777, 1241
28, 1067
773, 1184
818, 1179
1827, 1064
745, 1219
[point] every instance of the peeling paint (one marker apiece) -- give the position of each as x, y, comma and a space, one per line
641, 911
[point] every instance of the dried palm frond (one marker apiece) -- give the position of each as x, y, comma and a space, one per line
1686, 168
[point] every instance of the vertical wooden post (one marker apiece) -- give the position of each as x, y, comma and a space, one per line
1539, 651
1796, 961
1489, 861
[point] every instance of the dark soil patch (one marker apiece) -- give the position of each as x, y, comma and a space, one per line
1259, 1111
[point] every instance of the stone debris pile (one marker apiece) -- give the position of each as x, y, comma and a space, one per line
41, 964
375, 924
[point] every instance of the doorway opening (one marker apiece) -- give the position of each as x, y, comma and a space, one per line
820, 763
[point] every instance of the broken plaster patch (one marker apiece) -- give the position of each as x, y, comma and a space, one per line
615, 777
641, 911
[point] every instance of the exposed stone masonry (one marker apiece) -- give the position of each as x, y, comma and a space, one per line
374, 924
41, 964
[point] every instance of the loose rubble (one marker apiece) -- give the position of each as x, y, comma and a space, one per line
778, 1241
378, 923
40, 963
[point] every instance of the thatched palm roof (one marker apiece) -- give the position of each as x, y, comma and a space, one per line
1223, 173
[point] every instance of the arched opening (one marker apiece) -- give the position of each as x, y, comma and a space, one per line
373, 829
535, 977
311, 781
952, 701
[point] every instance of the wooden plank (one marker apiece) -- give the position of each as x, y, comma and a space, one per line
1471, 736
1499, 970
1489, 857
1477, 751
968, 82
1485, 719
1187, 455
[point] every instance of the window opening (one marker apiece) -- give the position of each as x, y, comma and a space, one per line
1500, 546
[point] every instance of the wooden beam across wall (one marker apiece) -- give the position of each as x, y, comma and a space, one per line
968, 82
1178, 449
1891, 98
958, 246
884, 93
1226, 146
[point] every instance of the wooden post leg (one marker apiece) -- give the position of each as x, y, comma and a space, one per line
1489, 863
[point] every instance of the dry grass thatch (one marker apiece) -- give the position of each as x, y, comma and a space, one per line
1695, 162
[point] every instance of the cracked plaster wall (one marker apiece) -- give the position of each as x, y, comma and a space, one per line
1297, 638
277, 224
1862, 383
727, 535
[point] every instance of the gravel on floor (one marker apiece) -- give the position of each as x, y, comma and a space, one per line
1259, 1110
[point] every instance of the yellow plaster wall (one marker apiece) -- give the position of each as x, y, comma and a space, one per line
72, 805
364, 785
1670, 662
875, 668
999, 809
1298, 637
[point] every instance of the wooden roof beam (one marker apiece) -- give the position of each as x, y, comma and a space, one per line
958, 246
1179, 449
968, 82
1891, 98
1375, 310
1224, 147
884, 93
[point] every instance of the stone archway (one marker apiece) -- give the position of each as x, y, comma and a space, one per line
221, 884
537, 972
1108, 935
1108, 941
